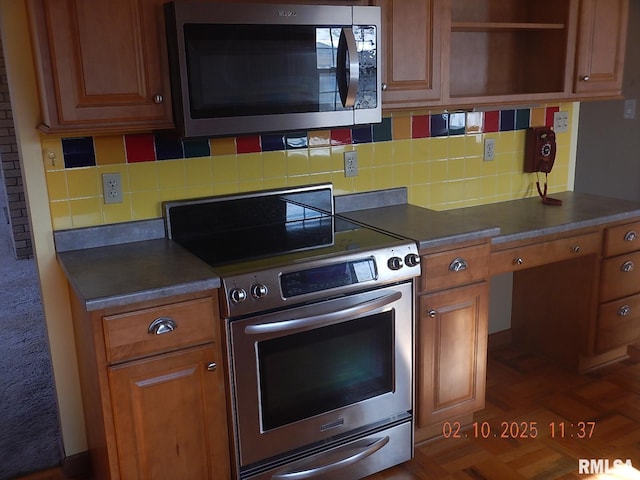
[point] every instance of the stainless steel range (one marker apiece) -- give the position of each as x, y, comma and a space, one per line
318, 313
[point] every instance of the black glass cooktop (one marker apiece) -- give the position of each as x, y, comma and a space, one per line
264, 225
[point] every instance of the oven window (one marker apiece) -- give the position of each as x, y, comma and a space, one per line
316, 371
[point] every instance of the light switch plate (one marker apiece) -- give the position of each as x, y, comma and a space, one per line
629, 109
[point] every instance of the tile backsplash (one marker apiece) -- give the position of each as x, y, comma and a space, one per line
438, 156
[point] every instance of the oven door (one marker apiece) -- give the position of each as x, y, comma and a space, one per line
311, 373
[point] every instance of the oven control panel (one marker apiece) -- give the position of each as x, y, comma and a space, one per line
274, 288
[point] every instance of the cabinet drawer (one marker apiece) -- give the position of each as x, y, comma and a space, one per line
618, 323
159, 329
455, 267
527, 256
622, 239
620, 276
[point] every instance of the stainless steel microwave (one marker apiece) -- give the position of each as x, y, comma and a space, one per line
240, 68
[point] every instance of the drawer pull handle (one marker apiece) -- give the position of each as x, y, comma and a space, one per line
627, 266
432, 314
624, 310
630, 236
576, 249
458, 265
212, 367
518, 261
162, 325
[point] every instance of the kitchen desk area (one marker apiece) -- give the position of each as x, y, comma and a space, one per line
574, 300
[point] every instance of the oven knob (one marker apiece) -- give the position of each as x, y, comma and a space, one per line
412, 260
237, 295
259, 290
395, 263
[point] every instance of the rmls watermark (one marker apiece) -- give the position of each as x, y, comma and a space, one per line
594, 466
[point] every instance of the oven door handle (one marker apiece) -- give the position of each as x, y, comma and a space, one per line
324, 319
365, 451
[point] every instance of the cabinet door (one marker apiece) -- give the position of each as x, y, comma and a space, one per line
170, 417
102, 65
452, 331
602, 35
411, 40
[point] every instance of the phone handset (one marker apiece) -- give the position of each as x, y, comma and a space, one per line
540, 155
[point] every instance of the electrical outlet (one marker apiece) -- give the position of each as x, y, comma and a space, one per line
561, 122
112, 187
350, 164
629, 109
489, 149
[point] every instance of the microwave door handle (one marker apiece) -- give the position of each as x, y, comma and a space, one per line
348, 79
324, 319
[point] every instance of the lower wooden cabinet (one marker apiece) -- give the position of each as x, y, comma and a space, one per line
169, 416
452, 329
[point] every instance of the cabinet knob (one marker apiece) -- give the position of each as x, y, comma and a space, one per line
627, 266
384, 87
432, 313
575, 249
585, 78
162, 325
630, 236
158, 99
458, 265
518, 261
212, 366
624, 310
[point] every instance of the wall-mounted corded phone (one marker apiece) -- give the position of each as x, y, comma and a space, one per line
540, 154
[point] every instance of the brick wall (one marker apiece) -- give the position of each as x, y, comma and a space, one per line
12, 174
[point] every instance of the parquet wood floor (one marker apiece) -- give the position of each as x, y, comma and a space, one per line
521, 389
525, 388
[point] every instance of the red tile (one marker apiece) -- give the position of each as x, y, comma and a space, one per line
491, 121
140, 148
420, 126
341, 136
248, 144
549, 116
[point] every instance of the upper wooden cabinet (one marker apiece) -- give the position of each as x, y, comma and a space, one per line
602, 35
412, 38
102, 65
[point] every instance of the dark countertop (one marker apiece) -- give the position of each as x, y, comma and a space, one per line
127, 273
504, 221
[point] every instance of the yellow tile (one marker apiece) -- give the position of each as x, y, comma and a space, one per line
60, 215
365, 155
420, 149
402, 151
401, 127
199, 191
250, 167
250, 185
143, 176
420, 172
505, 142
145, 204
118, 212
473, 188
57, 185
274, 182
473, 146
274, 165
488, 186
439, 148
109, 150
85, 212
364, 181
171, 174
223, 146
383, 154
320, 160
83, 182
473, 167
198, 171
456, 191
438, 171
337, 158
319, 138
52, 155
402, 174
383, 177
439, 193
225, 169
297, 162
456, 169
225, 188
456, 147
298, 180
169, 194
419, 195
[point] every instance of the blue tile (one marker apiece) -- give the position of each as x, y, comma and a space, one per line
196, 148
523, 118
457, 123
296, 140
362, 134
168, 147
382, 132
440, 125
272, 142
78, 152
507, 120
